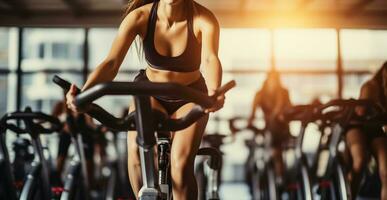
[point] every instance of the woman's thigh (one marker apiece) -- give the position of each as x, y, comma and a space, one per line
186, 142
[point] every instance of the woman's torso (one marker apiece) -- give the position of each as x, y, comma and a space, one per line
270, 103
173, 46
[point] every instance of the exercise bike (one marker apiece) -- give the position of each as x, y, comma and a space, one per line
147, 122
37, 183
209, 185
260, 175
330, 180
299, 180
10, 183
76, 184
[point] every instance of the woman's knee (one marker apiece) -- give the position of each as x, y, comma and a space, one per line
359, 157
181, 167
379, 146
357, 147
383, 174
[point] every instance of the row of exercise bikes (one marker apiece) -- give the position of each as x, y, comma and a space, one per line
322, 175
29, 175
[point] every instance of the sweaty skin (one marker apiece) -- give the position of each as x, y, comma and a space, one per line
170, 40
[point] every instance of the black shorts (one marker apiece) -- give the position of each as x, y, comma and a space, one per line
372, 132
171, 104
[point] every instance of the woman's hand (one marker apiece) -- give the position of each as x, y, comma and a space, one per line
70, 98
218, 104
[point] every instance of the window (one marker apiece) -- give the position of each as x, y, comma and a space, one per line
8, 44
305, 49
8, 93
353, 83
8, 47
245, 49
363, 49
100, 41
40, 93
4, 47
60, 51
52, 48
363, 54
41, 51
304, 88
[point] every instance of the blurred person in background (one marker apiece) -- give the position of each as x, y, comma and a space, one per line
362, 138
273, 99
66, 116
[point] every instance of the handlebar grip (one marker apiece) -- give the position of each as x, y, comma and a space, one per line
65, 85
225, 88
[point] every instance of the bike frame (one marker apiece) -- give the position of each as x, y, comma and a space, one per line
8, 180
38, 178
335, 168
146, 141
77, 171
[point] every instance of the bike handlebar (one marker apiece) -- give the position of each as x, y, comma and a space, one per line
15, 128
143, 89
299, 112
235, 129
345, 106
347, 103
28, 116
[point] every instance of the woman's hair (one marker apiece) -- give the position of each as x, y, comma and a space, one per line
378, 77
134, 4
272, 76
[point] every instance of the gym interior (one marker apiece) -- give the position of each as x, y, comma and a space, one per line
322, 50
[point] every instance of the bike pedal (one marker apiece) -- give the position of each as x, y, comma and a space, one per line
57, 191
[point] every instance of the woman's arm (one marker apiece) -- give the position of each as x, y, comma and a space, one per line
108, 69
368, 91
211, 66
254, 108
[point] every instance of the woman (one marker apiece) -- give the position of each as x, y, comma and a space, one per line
360, 138
273, 98
178, 36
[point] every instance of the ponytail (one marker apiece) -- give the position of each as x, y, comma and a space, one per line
133, 5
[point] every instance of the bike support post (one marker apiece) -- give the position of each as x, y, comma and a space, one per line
146, 140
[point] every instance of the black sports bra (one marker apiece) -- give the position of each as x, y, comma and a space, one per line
188, 61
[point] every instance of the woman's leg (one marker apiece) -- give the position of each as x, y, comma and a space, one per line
278, 162
357, 144
183, 151
379, 147
134, 164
